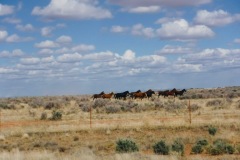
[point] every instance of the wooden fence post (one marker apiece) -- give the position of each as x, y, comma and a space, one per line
190, 112
90, 116
0, 120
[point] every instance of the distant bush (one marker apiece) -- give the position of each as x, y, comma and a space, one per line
238, 104
197, 148
7, 106
215, 102
52, 105
212, 130
37, 102
43, 116
221, 147
84, 107
195, 107
99, 103
126, 146
202, 142
161, 148
173, 106
178, 146
56, 115
112, 109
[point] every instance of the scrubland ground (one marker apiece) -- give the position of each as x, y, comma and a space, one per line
29, 129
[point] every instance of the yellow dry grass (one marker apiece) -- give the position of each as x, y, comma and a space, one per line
25, 136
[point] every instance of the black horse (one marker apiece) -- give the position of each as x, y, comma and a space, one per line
149, 93
121, 95
180, 93
162, 93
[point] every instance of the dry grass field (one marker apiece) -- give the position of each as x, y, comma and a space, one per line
59, 127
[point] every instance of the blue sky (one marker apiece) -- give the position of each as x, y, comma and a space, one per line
61, 47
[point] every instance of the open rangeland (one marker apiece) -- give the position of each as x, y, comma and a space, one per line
60, 127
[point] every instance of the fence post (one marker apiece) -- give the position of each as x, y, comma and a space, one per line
190, 112
90, 116
0, 120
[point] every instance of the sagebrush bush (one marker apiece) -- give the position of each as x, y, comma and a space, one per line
195, 107
161, 148
52, 105
99, 103
56, 115
43, 116
212, 130
7, 106
202, 142
126, 146
178, 146
197, 148
173, 106
215, 103
112, 109
221, 147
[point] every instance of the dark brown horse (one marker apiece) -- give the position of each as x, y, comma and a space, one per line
170, 93
95, 96
108, 96
140, 95
132, 93
180, 93
162, 93
149, 93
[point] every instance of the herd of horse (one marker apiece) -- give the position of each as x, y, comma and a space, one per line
139, 94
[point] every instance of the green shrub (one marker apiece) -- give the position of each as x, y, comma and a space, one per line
229, 149
212, 130
197, 149
221, 147
125, 146
56, 115
161, 148
215, 102
43, 116
178, 146
202, 142
52, 105
112, 109
7, 106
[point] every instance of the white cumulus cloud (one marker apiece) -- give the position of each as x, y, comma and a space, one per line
6, 9
118, 29
215, 18
64, 39
69, 58
47, 44
144, 9
27, 27
181, 30
72, 9
3, 35
140, 30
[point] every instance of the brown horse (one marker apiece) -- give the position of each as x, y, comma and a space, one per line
95, 96
140, 95
170, 93
108, 96
132, 93
162, 93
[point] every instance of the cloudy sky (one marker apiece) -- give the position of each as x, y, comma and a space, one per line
62, 47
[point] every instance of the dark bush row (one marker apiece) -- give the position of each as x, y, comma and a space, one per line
218, 147
126, 145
